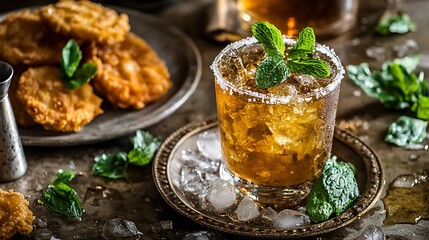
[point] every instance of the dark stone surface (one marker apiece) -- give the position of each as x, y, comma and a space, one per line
136, 198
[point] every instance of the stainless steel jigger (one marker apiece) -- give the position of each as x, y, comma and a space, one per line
12, 159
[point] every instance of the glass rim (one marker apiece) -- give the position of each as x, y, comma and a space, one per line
270, 97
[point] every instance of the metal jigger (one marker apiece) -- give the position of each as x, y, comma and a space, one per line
12, 159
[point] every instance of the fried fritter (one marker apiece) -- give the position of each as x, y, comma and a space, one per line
87, 21
45, 97
26, 39
15, 217
130, 73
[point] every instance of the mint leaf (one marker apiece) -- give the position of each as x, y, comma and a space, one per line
398, 23
61, 198
63, 177
145, 146
406, 130
81, 76
314, 67
333, 192
305, 44
64, 200
270, 37
70, 57
271, 71
394, 85
421, 107
112, 166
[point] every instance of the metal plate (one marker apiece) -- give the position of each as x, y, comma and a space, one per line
166, 173
183, 61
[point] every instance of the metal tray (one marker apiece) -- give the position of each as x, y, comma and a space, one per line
166, 170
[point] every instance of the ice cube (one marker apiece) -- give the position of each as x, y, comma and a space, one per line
409, 47
247, 209
191, 179
224, 173
371, 233
209, 145
193, 157
222, 195
377, 53
268, 213
203, 235
118, 228
404, 181
288, 218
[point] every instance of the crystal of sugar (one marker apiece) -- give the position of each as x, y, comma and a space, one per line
371, 233
247, 209
268, 213
222, 195
288, 218
209, 145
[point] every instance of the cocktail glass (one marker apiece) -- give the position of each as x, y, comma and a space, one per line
276, 141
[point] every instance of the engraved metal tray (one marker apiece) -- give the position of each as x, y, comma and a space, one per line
166, 173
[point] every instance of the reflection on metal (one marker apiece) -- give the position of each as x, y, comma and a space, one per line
12, 159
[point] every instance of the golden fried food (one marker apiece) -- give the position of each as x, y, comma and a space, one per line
15, 217
21, 115
86, 20
130, 73
45, 97
26, 39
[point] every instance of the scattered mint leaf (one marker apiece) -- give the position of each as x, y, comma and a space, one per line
270, 37
61, 198
395, 85
145, 146
81, 76
112, 166
63, 177
333, 192
70, 57
406, 130
73, 75
305, 44
64, 200
115, 165
271, 71
421, 107
398, 23
314, 67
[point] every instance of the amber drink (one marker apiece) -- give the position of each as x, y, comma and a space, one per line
327, 17
275, 141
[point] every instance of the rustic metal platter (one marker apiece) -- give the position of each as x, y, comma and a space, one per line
166, 173
184, 64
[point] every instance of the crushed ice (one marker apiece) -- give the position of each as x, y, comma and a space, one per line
371, 233
119, 228
209, 186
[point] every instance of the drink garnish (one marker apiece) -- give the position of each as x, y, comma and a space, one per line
73, 75
406, 130
396, 23
61, 198
333, 192
276, 68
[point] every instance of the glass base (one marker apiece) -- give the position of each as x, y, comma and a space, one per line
267, 196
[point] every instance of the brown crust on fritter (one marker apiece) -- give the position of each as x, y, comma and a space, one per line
45, 97
87, 21
130, 73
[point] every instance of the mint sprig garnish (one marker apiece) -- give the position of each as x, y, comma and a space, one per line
75, 76
275, 68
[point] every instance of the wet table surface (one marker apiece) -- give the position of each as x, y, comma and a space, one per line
136, 197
